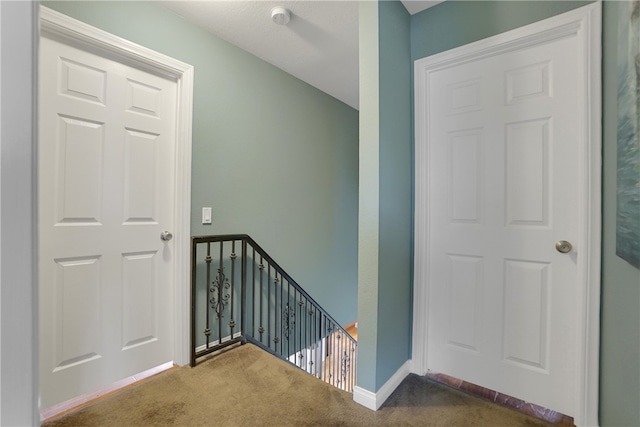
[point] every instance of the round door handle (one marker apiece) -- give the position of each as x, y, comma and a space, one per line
563, 246
166, 236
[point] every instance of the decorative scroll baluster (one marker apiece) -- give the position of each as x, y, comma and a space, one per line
207, 329
269, 306
233, 256
276, 339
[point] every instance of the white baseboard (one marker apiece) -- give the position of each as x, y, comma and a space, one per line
84, 398
214, 343
374, 401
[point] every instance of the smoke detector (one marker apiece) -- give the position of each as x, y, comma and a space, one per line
280, 15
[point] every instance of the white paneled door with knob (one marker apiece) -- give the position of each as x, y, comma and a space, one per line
106, 203
502, 136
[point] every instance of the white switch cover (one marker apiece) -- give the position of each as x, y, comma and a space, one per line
206, 215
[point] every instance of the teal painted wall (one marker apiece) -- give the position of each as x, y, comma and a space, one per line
274, 157
396, 191
385, 215
455, 23
620, 333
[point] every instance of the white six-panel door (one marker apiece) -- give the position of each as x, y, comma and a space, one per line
106, 193
502, 136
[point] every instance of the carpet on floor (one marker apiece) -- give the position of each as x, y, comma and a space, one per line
246, 386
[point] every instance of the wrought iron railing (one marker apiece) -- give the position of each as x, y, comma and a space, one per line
240, 294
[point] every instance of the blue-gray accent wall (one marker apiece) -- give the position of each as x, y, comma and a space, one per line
620, 307
396, 191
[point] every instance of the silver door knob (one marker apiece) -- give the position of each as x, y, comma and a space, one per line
166, 236
563, 246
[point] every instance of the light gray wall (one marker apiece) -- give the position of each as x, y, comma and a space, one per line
18, 296
369, 197
274, 157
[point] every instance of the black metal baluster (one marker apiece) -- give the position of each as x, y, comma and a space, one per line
243, 290
329, 352
323, 357
318, 356
320, 342
316, 344
253, 292
279, 312
261, 328
336, 357
207, 329
339, 355
220, 292
232, 321
276, 337
347, 376
300, 323
307, 338
291, 324
312, 342
194, 288
354, 359
338, 360
352, 365
269, 305
343, 378
327, 331
337, 347
324, 328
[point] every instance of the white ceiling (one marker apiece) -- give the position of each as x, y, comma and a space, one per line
318, 46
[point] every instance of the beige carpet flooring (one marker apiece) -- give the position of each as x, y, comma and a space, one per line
246, 386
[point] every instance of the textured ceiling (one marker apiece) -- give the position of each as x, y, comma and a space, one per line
318, 46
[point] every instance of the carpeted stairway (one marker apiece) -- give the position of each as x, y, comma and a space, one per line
246, 386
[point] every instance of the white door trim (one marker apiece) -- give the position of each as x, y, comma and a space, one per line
584, 23
56, 25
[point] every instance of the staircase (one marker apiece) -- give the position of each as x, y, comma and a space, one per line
240, 294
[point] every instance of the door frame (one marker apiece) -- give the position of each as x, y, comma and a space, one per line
585, 24
59, 26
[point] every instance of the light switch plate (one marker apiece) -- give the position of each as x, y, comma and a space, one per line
206, 215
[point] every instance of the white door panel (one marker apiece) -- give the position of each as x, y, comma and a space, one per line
504, 133
106, 192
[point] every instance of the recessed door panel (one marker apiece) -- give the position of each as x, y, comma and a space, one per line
465, 180
527, 172
77, 326
83, 81
526, 318
465, 297
139, 292
79, 168
141, 176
